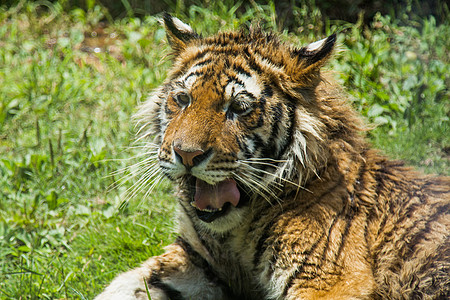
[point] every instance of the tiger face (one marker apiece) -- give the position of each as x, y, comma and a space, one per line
233, 120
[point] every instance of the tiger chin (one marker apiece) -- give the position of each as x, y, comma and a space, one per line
280, 196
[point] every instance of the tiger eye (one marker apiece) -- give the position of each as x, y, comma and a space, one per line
239, 107
182, 99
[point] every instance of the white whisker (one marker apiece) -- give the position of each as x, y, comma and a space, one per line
149, 174
254, 183
266, 160
132, 167
154, 183
279, 176
259, 163
256, 187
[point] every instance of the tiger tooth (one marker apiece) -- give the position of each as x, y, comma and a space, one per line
210, 210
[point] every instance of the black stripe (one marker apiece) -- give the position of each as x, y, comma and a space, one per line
200, 55
243, 147
246, 52
235, 80
268, 91
247, 94
218, 50
259, 143
198, 260
259, 123
221, 41
273, 260
419, 236
240, 70
172, 293
208, 270
416, 237
277, 113
290, 129
184, 68
195, 73
398, 223
269, 151
230, 169
308, 276
190, 213
167, 110
254, 66
330, 229
301, 267
204, 62
349, 217
262, 104
230, 115
260, 245
369, 219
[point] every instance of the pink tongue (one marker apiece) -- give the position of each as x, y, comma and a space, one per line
215, 196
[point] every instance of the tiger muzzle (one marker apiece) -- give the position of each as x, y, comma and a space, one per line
210, 200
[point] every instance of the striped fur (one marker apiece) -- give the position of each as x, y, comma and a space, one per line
320, 214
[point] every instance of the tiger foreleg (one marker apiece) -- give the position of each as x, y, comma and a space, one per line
171, 275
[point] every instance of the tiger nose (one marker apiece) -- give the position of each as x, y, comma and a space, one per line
188, 157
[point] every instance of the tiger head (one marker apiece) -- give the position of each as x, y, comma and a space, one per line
236, 121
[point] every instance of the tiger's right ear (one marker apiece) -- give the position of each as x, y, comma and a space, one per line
308, 60
178, 33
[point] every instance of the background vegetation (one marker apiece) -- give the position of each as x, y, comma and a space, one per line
71, 77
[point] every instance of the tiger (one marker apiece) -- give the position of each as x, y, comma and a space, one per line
280, 195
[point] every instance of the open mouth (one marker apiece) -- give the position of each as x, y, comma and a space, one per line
212, 201
210, 215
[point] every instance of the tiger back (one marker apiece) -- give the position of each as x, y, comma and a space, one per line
280, 196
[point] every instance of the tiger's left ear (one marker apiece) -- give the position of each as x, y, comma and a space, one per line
178, 33
311, 58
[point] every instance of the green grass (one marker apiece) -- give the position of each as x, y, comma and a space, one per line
398, 78
65, 127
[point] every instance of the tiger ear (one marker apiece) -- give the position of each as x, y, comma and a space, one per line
311, 58
178, 33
